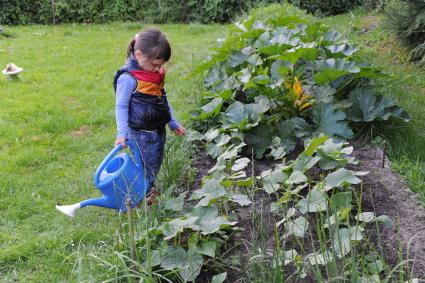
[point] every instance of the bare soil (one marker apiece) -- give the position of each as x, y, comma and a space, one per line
82, 131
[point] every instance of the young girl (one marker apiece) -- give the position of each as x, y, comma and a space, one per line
142, 109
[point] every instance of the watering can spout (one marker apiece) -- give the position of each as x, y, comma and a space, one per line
68, 210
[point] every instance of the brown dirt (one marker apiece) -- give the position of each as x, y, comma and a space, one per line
82, 131
383, 193
386, 194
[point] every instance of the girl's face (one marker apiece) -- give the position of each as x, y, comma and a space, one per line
148, 64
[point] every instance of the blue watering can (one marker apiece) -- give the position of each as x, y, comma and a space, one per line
119, 178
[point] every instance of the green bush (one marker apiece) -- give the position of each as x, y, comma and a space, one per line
15, 12
407, 20
326, 7
19, 12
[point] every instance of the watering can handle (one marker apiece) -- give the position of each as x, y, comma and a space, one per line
136, 155
104, 163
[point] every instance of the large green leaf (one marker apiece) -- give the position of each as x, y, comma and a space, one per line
285, 36
241, 199
333, 36
321, 94
209, 221
235, 115
290, 130
261, 80
208, 248
214, 150
285, 131
331, 121
296, 227
243, 116
240, 164
259, 138
261, 104
209, 193
177, 225
343, 48
191, 266
314, 144
341, 177
296, 177
301, 129
279, 70
342, 239
175, 204
215, 77
304, 162
342, 242
219, 278
174, 257
211, 134
222, 139
332, 69
271, 179
245, 75
211, 109
237, 58
334, 154
368, 107
315, 201
295, 54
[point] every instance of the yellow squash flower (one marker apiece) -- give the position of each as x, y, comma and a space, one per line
301, 100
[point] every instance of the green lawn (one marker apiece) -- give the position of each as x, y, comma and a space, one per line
58, 123
67, 87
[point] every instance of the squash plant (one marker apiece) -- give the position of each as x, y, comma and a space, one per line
280, 76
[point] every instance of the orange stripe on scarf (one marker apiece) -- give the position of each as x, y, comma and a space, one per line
149, 88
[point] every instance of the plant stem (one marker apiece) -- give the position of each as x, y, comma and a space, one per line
130, 233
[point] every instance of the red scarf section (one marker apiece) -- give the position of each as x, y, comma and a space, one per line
150, 77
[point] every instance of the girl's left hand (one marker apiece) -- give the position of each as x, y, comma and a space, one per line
180, 131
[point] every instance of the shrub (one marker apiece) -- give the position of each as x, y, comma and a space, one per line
16, 12
19, 12
407, 20
376, 5
326, 7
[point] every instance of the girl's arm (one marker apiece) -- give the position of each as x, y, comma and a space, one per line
125, 87
173, 124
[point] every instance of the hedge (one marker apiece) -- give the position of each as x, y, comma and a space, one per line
18, 12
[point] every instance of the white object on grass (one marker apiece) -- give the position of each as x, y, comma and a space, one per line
68, 209
12, 69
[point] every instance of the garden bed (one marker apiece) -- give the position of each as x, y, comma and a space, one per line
383, 193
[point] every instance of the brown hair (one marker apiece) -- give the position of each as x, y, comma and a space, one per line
153, 44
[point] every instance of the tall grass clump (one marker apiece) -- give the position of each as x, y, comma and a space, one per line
407, 20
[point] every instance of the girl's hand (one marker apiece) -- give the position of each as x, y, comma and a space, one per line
180, 131
120, 141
